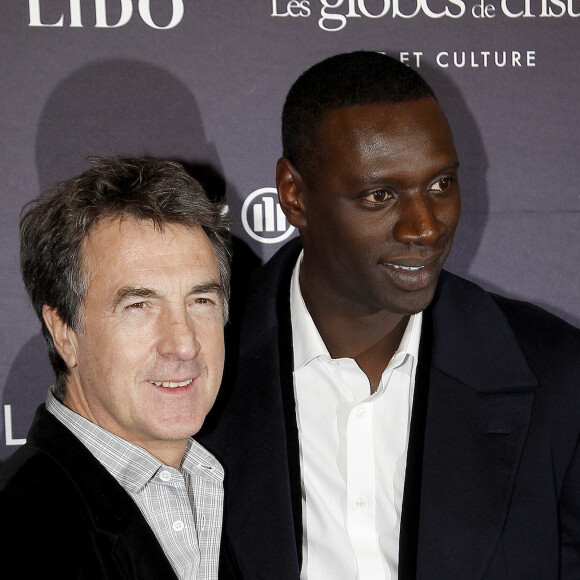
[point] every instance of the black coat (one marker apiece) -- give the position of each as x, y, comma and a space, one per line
492, 487
64, 516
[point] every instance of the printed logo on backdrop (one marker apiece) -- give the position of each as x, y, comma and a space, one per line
100, 12
263, 218
334, 15
10, 438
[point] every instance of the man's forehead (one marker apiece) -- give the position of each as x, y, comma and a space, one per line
394, 116
129, 243
383, 130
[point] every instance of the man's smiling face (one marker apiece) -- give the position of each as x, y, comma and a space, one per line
380, 206
147, 362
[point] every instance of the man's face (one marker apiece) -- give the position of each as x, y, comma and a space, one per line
380, 206
148, 360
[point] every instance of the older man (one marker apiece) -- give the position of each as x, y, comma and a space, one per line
127, 267
389, 419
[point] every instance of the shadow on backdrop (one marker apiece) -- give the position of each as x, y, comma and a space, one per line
472, 173
129, 108
473, 180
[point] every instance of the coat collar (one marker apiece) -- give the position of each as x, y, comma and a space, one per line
473, 341
117, 520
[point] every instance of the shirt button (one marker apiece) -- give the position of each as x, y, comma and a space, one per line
178, 526
360, 412
361, 502
165, 475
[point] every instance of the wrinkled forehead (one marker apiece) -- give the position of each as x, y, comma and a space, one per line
111, 240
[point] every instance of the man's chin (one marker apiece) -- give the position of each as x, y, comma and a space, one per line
412, 302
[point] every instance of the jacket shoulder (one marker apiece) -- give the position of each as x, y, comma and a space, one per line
34, 484
535, 320
548, 342
41, 508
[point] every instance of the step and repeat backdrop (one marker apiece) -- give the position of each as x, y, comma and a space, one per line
203, 82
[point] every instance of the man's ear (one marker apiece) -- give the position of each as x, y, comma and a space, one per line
291, 192
63, 336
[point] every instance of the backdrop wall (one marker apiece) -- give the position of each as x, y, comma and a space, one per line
203, 82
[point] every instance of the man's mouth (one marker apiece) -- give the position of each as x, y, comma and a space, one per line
172, 384
401, 267
413, 273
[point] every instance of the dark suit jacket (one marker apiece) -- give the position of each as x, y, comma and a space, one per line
492, 488
63, 516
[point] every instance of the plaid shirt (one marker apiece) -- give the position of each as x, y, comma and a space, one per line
183, 507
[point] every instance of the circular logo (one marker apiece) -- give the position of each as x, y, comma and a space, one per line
263, 218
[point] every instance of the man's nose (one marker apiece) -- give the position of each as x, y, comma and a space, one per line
178, 336
418, 222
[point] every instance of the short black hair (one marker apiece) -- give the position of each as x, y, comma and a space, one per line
54, 226
341, 81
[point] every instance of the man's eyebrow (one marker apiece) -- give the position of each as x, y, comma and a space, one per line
207, 288
379, 177
127, 292
450, 167
131, 292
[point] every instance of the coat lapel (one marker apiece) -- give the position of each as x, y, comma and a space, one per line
122, 534
478, 408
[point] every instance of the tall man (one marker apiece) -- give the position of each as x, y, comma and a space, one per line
127, 267
389, 419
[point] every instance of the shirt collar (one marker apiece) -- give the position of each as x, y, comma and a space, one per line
306, 339
199, 461
132, 466
308, 343
409, 344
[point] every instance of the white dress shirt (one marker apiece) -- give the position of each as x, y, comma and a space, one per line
353, 452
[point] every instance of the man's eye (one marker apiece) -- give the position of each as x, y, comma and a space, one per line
442, 185
378, 196
204, 300
136, 306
